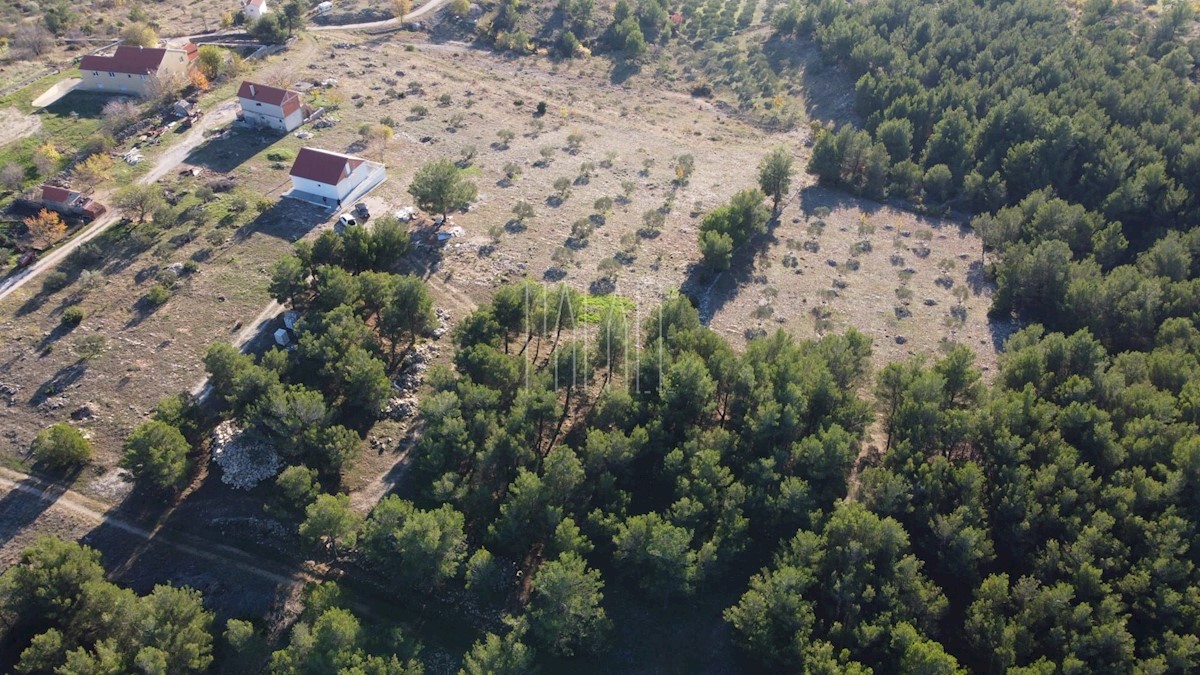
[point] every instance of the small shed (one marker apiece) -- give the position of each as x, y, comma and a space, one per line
281, 337
182, 108
289, 319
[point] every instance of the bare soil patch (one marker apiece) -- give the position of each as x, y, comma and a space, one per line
14, 125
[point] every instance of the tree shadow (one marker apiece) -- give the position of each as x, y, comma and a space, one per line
977, 279
62, 276
134, 240
62, 379
60, 331
29, 499
143, 308
817, 196
829, 94
152, 538
710, 293
623, 69
287, 219
1001, 330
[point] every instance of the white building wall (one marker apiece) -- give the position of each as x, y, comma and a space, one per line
294, 120
312, 187
359, 175
270, 116
116, 83
254, 12
333, 193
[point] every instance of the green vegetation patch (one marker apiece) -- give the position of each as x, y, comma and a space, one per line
596, 307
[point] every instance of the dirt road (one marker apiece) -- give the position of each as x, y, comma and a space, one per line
363, 599
164, 165
79, 505
386, 23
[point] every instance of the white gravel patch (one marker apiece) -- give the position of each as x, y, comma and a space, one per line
245, 459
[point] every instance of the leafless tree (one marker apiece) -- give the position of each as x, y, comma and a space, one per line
32, 40
277, 75
12, 176
118, 114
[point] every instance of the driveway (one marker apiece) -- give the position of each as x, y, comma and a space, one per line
166, 163
411, 16
56, 92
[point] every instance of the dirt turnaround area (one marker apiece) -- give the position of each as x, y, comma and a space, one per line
14, 125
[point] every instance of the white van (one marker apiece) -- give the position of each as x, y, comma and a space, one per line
347, 220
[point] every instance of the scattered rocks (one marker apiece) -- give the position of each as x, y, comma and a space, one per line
269, 525
245, 458
86, 411
52, 403
900, 339
401, 408
382, 444
444, 319
930, 302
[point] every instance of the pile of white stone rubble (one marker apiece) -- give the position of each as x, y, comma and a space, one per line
245, 458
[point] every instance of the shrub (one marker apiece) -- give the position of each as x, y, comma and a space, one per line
158, 295
61, 445
72, 316
156, 453
55, 281
222, 185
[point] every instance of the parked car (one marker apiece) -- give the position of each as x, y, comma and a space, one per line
347, 220
360, 210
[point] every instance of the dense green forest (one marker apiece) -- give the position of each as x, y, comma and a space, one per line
1047, 522
56, 601
1076, 139
570, 460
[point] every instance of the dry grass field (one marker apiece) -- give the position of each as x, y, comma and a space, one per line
830, 262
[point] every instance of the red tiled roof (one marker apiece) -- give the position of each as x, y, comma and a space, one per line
192, 51
127, 59
51, 193
254, 3
285, 98
324, 166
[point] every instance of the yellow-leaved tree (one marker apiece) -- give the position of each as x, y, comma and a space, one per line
45, 228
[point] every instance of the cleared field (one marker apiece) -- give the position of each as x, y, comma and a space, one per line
891, 275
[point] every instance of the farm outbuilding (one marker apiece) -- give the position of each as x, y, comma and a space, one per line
254, 9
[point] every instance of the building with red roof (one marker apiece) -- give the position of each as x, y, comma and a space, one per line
70, 202
135, 71
325, 177
271, 107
